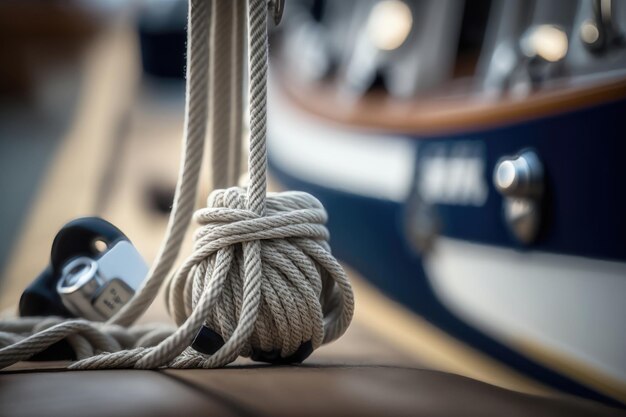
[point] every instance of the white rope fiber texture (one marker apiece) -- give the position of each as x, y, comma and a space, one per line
261, 274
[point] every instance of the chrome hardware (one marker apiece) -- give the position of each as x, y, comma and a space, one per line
520, 180
600, 31
96, 289
520, 176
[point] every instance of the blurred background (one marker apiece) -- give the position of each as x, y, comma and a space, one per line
469, 153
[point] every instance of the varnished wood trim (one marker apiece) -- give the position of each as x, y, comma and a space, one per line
435, 116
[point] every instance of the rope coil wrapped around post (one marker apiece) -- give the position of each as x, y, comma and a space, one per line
261, 276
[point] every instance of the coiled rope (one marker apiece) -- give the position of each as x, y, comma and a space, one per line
261, 274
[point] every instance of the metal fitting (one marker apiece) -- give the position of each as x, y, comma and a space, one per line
520, 180
97, 289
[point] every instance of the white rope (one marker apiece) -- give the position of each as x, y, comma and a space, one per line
261, 274
222, 106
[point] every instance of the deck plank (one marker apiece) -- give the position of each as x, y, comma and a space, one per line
117, 393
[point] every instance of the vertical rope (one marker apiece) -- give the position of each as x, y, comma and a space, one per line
257, 64
226, 79
221, 49
196, 110
238, 71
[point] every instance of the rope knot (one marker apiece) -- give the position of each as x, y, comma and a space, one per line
267, 284
226, 221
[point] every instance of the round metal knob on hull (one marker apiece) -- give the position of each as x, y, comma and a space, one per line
519, 176
520, 181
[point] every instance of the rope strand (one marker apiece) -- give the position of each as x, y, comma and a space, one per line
196, 111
